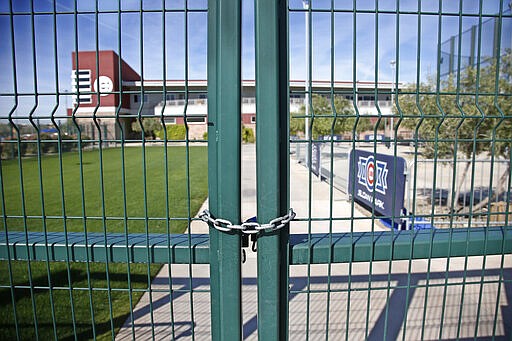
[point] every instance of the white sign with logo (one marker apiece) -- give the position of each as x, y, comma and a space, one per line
104, 85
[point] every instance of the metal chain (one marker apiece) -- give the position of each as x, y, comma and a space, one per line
247, 227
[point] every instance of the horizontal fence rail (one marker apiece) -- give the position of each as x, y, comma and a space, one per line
94, 248
402, 245
341, 247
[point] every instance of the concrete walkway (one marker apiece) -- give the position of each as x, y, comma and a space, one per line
323, 302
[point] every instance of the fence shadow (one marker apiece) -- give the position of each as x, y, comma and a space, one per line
403, 287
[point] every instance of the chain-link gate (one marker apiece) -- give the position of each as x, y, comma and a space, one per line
381, 168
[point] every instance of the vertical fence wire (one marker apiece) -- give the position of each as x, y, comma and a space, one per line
187, 160
144, 168
474, 152
501, 279
40, 168
373, 192
309, 127
416, 128
101, 168
493, 149
21, 178
61, 168
395, 77
81, 169
122, 135
454, 177
353, 164
331, 164
501, 121
166, 171
9, 262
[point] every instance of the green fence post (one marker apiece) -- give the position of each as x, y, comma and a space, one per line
272, 165
224, 135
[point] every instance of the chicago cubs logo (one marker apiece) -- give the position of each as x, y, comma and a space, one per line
372, 174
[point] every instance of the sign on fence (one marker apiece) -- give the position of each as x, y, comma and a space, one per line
377, 179
315, 158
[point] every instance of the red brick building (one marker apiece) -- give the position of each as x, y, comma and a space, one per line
106, 88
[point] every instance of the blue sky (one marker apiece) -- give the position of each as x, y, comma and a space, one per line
369, 51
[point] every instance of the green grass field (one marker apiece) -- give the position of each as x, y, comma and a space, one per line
89, 200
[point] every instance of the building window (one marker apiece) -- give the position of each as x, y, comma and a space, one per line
366, 98
192, 119
253, 119
170, 120
81, 86
136, 98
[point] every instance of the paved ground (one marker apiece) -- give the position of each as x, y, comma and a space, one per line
310, 310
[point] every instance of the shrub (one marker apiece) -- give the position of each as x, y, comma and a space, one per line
9, 149
85, 140
31, 147
174, 132
49, 143
151, 126
205, 135
247, 135
68, 146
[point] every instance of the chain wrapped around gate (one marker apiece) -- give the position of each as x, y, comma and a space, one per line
247, 227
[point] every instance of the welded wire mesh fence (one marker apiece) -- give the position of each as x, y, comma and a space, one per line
403, 206
93, 174
400, 131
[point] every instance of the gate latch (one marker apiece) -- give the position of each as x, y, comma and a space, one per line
254, 237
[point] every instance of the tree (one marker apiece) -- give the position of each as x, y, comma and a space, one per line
5, 130
501, 128
151, 126
464, 117
326, 121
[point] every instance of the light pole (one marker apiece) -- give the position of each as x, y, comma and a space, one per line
66, 95
393, 87
305, 4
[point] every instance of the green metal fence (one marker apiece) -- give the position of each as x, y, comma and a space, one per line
102, 182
